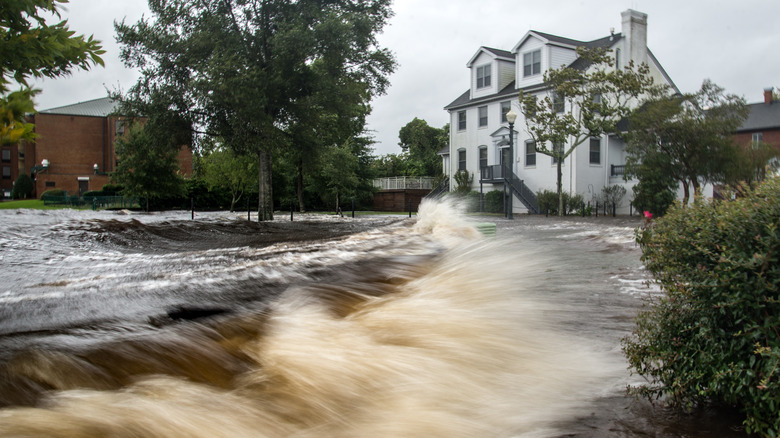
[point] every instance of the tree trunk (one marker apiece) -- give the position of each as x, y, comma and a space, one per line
300, 186
265, 202
560, 187
686, 194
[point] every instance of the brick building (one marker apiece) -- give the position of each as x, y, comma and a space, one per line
74, 150
763, 123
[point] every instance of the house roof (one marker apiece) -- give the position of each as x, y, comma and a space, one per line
95, 108
762, 116
464, 100
498, 53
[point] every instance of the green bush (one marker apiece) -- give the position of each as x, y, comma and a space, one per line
494, 201
23, 187
548, 202
53, 193
714, 336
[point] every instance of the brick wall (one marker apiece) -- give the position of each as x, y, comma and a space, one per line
398, 200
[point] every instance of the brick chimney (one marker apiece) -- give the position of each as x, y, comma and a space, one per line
768, 95
635, 36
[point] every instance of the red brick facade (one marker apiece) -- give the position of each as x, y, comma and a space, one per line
73, 145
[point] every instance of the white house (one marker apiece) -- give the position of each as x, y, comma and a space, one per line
479, 131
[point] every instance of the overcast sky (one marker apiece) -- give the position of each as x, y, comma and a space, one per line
733, 43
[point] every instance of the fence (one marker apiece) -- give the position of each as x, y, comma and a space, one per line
95, 202
404, 182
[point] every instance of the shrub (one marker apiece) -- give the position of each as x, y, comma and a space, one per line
53, 193
23, 187
713, 337
548, 202
494, 201
463, 181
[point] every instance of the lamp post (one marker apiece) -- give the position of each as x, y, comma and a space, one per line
96, 168
511, 116
44, 165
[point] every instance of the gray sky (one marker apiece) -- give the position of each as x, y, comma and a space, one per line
733, 43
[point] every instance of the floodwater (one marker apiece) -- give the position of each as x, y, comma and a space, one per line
128, 324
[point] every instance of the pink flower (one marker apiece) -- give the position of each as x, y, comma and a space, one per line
648, 215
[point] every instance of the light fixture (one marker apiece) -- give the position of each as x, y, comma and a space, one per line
511, 116
96, 168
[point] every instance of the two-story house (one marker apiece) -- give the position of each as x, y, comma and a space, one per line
479, 132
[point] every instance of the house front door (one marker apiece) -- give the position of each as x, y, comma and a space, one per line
83, 186
506, 160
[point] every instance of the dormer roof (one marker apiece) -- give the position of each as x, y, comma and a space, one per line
494, 53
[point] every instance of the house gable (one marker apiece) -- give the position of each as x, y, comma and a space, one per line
488, 68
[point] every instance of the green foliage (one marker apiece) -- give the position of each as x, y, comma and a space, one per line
224, 169
612, 195
549, 201
596, 99
494, 201
421, 144
267, 77
463, 181
32, 48
23, 187
698, 145
53, 193
148, 166
112, 189
391, 165
656, 190
713, 336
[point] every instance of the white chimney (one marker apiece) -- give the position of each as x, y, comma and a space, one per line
635, 36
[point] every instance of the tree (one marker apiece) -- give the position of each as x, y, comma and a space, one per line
597, 95
422, 143
32, 48
147, 167
694, 130
256, 72
752, 164
236, 173
391, 165
23, 187
656, 190
339, 171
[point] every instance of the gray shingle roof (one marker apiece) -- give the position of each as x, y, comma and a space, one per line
500, 52
762, 116
95, 108
464, 99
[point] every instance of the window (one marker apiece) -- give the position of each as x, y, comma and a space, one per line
6, 172
617, 59
530, 153
595, 151
483, 76
50, 184
483, 157
558, 148
483, 117
6, 155
558, 102
532, 63
505, 107
461, 159
461, 120
596, 99
758, 137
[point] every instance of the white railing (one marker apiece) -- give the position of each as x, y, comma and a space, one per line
404, 182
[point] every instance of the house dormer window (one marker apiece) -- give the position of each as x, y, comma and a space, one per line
483, 76
532, 63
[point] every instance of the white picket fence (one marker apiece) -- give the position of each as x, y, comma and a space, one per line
404, 182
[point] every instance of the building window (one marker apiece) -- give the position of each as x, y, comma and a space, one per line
595, 151
758, 137
617, 59
6, 172
530, 153
505, 107
461, 120
483, 116
558, 102
461, 159
483, 157
483, 76
6, 155
50, 184
532, 63
558, 148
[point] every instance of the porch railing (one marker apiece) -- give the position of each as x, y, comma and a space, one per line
404, 182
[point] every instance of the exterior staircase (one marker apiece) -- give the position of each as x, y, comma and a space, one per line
499, 174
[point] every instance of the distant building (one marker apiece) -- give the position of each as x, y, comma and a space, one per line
74, 150
479, 131
762, 124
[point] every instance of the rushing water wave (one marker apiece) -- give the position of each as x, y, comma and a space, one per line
127, 325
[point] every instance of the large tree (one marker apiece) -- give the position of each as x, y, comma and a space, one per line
29, 47
694, 131
255, 72
422, 143
583, 100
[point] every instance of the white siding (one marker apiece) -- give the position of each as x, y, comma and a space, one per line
560, 56
506, 73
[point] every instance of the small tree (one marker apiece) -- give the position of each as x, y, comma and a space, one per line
225, 169
23, 187
463, 181
597, 97
147, 168
656, 190
612, 195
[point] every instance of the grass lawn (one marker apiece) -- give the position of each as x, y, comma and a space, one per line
26, 203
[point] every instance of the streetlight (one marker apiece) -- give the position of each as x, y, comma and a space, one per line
511, 116
96, 168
